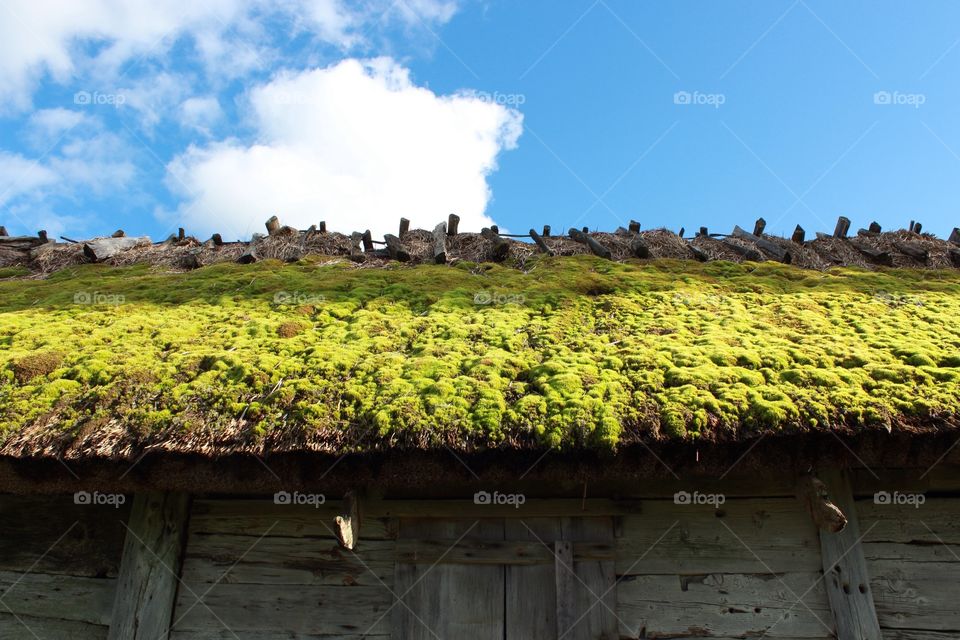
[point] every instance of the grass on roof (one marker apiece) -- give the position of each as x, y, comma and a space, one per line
576, 351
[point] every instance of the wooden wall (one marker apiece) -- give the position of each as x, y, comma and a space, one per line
59, 563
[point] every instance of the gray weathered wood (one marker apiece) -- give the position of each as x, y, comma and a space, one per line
453, 222
845, 569
20, 243
877, 255
531, 590
634, 227
250, 255
104, 248
404, 227
745, 252
798, 235
499, 247
765, 245
955, 236
597, 248
842, 228
814, 496
639, 248
150, 567
538, 239
914, 251
546, 231
759, 226
954, 255
3, 232
254, 517
58, 597
875, 227
273, 225
532, 508
440, 243
395, 248
263, 634
566, 596
916, 594
504, 552
23, 627
367, 240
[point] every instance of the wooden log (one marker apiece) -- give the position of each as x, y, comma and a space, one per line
680, 233
440, 243
955, 236
323, 226
813, 494
119, 233
250, 255
745, 252
273, 225
566, 596
347, 524
355, 252
866, 233
104, 248
538, 239
765, 245
875, 227
597, 248
181, 234
703, 232
845, 569
699, 253
20, 243
798, 235
585, 230
150, 568
42, 235
878, 256
3, 232
217, 240
759, 226
367, 241
452, 223
639, 248
395, 248
546, 232
954, 256
912, 250
500, 248
634, 226
495, 229
404, 227
842, 228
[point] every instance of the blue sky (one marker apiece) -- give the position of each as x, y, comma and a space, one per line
148, 116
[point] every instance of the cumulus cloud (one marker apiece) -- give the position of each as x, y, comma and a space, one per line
200, 113
356, 144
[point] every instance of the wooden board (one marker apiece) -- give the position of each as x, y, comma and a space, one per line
149, 569
256, 517
51, 534
936, 520
449, 601
505, 552
57, 597
225, 634
595, 592
720, 605
743, 536
531, 591
22, 627
916, 595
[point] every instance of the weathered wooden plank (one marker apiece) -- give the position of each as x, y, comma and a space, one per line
243, 559
149, 569
745, 252
916, 595
531, 590
718, 605
23, 627
936, 521
505, 552
440, 243
595, 593
52, 534
103, 248
295, 609
468, 508
564, 576
225, 634
256, 517
59, 597
845, 569
449, 601
395, 248
842, 228
760, 535
916, 634
765, 245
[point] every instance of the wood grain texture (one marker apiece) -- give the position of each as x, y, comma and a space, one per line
257, 517
149, 569
57, 597
23, 627
531, 590
911, 594
845, 569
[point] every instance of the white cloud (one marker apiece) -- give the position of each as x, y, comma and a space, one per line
356, 144
200, 113
21, 175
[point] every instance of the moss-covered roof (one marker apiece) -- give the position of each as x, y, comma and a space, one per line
571, 352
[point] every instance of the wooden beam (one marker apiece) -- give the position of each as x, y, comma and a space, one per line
347, 524
440, 243
703, 232
496, 552
367, 241
395, 249
103, 248
546, 232
634, 226
217, 240
323, 226
540, 243
181, 234
813, 494
452, 222
699, 253
765, 245
878, 256
566, 596
845, 569
150, 567
250, 255
955, 236
3, 232
842, 228
404, 227
954, 256
595, 247
798, 235
914, 251
500, 248
759, 226
745, 252
639, 248
273, 225
875, 227
356, 254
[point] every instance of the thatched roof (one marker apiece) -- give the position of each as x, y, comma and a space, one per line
568, 353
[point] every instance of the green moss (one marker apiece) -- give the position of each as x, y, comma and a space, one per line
570, 352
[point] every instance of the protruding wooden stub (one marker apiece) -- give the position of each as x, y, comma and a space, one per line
954, 256
954, 236
495, 229
452, 223
249, 256
347, 525
538, 239
877, 255
759, 226
103, 248
765, 245
703, 232
634, 227
217, 240
639, 248
546, 231
404, 227
395, 248
501, 247
595, 247
798, 235
744, 252
273, 225
845, 569
842, 228
813, 494
913, 250
323, 226
585, 230
181, 234
355, 239
150, 567
3, 232
566, 587
680, 233
917, 227
875, 227
698, 253
440, 243
367, 241
119, 233
42, 234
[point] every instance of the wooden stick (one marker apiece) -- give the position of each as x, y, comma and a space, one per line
367, 242
546, 231
323, 226
759, 226
495, 229
395, 249
634, 227
42, 234
843, 226
440, 243
452, 222
595, 247
500, 246
565, 587
273, 225
917, 228
680, 233
765, 245
540, 243
347, 525
404, 227
703, 232
798, 235
813, 494
355, 239
103, 248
